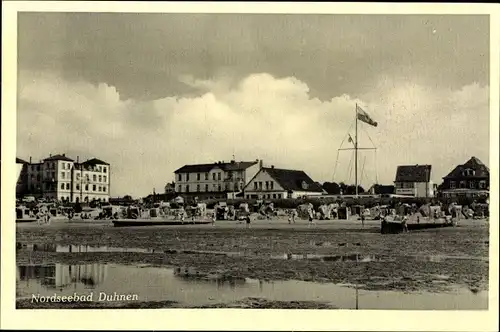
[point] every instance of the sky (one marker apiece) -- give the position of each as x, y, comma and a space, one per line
149, 93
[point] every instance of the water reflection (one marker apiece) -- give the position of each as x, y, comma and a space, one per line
81, 248
60, 276
158, 284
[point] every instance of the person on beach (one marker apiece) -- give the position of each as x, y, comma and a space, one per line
310, 211
248, 221
404, 224
214, 217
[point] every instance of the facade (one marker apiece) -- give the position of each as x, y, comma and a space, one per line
216, 180
471, 179
61, 178
414, 180
275, 183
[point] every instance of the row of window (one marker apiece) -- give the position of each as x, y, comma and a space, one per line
95, 188
472, 184
269, 185
206, 176
266, 196
95, 178
64, 165
215, 187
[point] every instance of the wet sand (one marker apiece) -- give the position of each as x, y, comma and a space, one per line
343, 252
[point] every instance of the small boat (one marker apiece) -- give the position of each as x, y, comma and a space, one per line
394, 227
23, 214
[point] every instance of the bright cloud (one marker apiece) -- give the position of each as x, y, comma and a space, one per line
261, 116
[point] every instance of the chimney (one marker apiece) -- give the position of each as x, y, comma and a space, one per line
261, 164
64, 154
77, 159
272, 166
50, 155
30, 159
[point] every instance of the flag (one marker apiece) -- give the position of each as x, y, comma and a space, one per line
363, 116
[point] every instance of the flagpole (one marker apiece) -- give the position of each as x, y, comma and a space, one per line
356, 153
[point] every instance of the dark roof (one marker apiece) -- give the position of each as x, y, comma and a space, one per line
59, 157
94, 161
204, 168
413, 173
20, 161
292, 180
473, 163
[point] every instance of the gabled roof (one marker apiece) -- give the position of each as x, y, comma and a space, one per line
205, 168
292, 180
20, 161
94, 161
413, 173
474, 163
58, 157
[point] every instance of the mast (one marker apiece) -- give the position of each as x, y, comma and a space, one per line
356, 153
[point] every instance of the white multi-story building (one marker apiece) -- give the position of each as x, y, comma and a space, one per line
216, 180
61, 178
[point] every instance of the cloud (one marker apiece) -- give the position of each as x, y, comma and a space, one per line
260, 116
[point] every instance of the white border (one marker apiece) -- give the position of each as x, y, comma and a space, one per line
226, 319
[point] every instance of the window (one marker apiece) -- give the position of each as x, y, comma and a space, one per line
198, 177
78, 176
87, 178
180, 177
86, 187
220, 187
274, 195
453, 185
462, 184
93, 178
228, 187
219, 176
272, 185
103, 189
100, 178
260, 185
213, 176
187, 188
104, 178
62, 175
77, 187
482, 184
206, 176
472, 185
255, 186
198, 187
187, 176
104, 169
267, 185
206, 187
279, 195
180, 189
67, 186
93, 187
62, 186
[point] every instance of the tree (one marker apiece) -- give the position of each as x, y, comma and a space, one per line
331, 188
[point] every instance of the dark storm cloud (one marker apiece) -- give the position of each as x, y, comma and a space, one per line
143, 55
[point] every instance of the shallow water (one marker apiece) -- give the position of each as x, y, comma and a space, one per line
158, 284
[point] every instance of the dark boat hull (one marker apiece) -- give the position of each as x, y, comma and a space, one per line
153, 222
26, 220
397, 227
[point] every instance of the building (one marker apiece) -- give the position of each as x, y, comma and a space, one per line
22, 177
61, 178
471, 179
414, 180
381, 189
216, 180
275, 183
